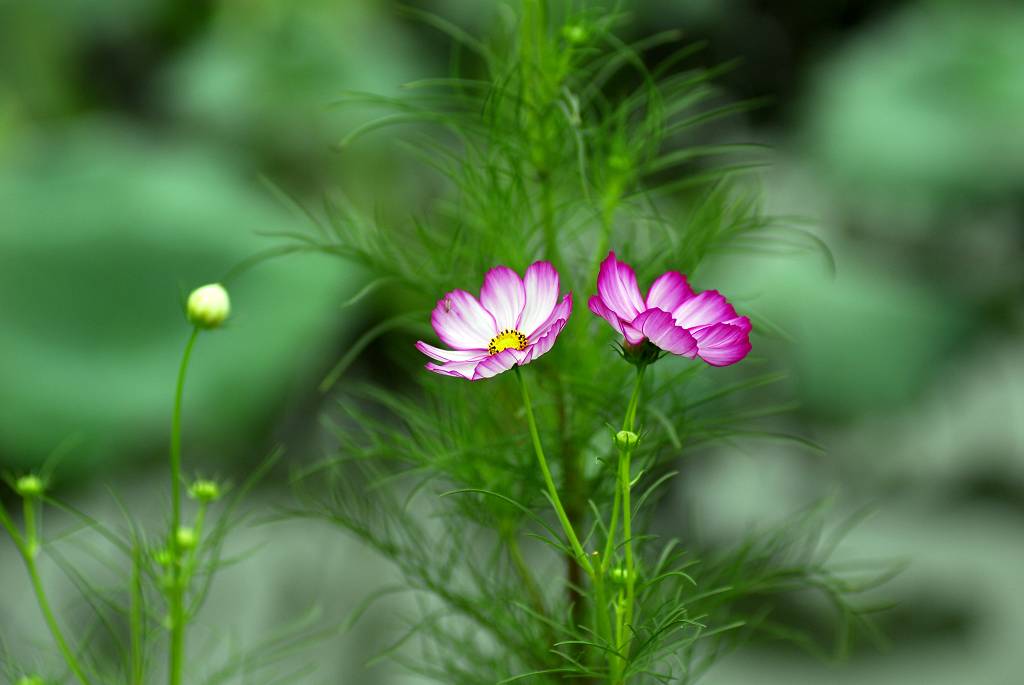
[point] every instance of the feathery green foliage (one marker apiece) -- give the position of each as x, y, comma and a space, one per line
555, 139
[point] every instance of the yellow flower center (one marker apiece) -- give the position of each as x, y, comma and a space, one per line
508, 338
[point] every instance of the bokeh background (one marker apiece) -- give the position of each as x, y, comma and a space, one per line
135, 140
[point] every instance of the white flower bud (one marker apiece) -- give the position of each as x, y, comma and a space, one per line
209, 306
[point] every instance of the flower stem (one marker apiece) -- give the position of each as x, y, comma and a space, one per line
625, 618
28, 546
177, 589
570, 534
601, 607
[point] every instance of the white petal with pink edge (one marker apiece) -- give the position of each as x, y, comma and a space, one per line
704, 309
541, 284
503, 295
722, 344
462, 322
442, 355
669, 291
617, 287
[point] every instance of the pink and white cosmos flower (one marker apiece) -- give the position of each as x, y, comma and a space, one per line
515, 321
672, 317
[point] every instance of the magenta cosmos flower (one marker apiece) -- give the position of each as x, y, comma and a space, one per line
515, 321
672, 316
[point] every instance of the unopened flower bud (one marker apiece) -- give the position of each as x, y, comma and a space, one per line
626, 440
620, 163
31, 680
163, 557
29, 486
204, 491
209, 306
574, 33
619, 575
185, 537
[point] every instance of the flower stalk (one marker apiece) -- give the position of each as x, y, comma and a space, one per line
596, 576
176, 591
624, 607
28, 546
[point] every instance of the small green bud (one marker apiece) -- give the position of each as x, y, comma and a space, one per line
620, 163
618, 575
626, 440
31, 680
163, 557
204, 491
29, 486
575, 33
185, 537
209, 306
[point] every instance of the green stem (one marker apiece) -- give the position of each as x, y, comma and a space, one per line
177, 590
601, 608
625, 618
137, 619
577, 548
29, 548
516, 554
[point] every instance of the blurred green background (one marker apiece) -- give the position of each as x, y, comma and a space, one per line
134, 135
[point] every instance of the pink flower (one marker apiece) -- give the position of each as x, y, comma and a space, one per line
672, 316
515, 321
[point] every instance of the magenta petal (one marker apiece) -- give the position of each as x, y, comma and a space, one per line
598, 306
616, 284
632, 336
541, 285
704, 309
503, 295
450, 355
669, 291
722, 344
461, 322
660, 328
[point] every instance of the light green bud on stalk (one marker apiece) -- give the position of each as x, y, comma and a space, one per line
204, 491
29, 486
209, 306
626, 440
620, 163
618, 575
163, 557
185, 537
574, 33
31, 680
